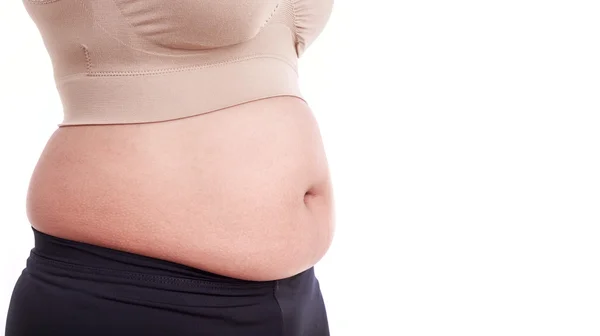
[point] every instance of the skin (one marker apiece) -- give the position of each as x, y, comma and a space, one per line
243, 192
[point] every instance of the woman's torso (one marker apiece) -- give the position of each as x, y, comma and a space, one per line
243, 192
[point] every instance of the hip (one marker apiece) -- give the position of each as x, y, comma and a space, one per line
73, 288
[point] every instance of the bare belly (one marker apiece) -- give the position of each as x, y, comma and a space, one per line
243, 192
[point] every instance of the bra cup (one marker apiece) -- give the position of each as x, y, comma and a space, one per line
197, 24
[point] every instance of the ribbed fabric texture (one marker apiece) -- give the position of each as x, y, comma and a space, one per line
136, 61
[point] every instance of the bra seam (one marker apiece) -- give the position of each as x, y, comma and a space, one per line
88, 59
182, 69
269, 18
90, 73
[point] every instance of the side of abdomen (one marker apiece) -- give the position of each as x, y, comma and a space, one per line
225, 191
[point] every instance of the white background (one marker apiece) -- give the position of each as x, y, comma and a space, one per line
464, 144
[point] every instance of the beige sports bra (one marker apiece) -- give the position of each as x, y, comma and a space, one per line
137, 61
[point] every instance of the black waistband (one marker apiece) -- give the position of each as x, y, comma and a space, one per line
80, 256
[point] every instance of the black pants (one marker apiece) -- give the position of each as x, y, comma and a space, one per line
72, 288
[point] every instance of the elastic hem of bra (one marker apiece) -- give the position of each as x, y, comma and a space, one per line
170, 95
